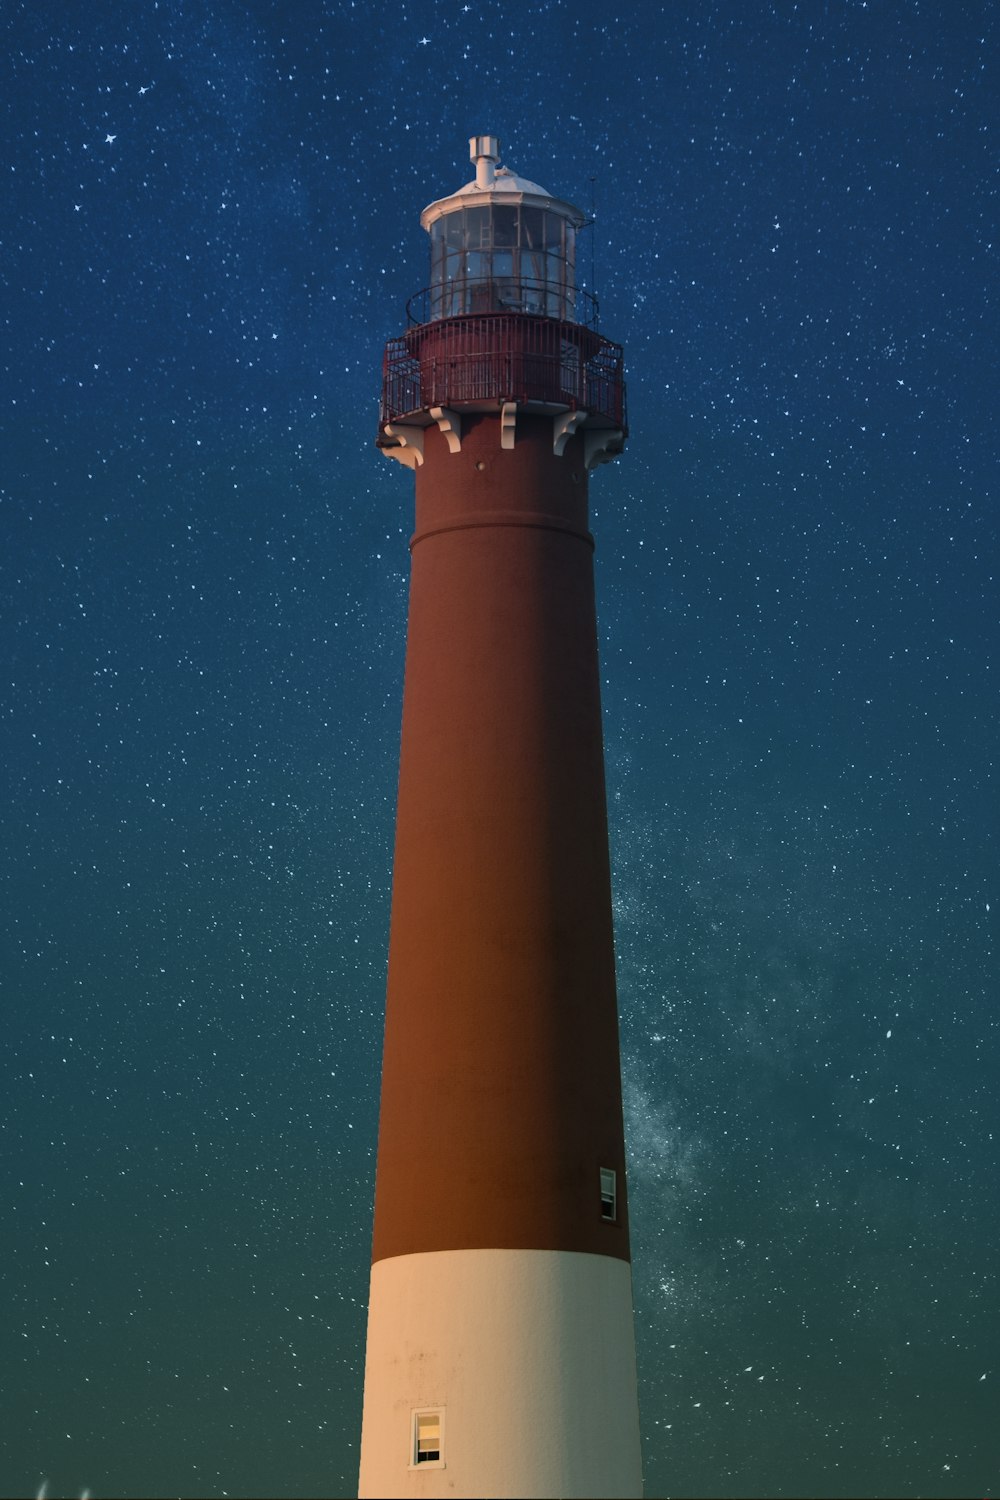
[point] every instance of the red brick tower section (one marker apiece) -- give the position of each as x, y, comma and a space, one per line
500, 1356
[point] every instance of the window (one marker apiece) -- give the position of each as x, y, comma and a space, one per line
502, 258
427, 1439
609, 1195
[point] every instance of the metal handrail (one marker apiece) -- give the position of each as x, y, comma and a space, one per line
500, 294
503, 357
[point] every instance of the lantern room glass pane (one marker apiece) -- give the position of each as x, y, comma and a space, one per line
502, 257
477, 228
504, 226
532, 227
570, 244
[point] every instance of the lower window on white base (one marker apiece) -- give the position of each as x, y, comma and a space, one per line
427, 1438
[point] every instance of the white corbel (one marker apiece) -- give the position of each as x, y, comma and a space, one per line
508, 423
563, 427
410, 452
450, 424
601, 445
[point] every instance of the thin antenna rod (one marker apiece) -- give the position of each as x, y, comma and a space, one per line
593, 238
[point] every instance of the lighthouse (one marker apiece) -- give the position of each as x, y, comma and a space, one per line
500, 1354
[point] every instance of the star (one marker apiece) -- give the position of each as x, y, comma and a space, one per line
109, 138
144, 88
425, 41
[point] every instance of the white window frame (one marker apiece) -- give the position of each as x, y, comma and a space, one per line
609, 1178
415, 1415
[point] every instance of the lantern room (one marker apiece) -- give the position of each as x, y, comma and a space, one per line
502, 244
503, 328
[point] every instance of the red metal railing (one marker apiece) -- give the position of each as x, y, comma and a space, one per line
503, 357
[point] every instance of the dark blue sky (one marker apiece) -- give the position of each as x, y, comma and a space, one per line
211, 227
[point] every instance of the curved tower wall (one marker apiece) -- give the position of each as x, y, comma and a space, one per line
500, 1357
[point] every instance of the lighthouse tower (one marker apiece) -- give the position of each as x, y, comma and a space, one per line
500, 1357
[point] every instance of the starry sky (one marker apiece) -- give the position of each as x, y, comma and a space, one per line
210, 229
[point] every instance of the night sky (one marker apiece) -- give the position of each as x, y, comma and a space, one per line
210, 227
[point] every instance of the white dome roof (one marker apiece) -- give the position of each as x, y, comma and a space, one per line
506, 186
506, 181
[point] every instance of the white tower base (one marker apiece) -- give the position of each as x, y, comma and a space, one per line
528, 1358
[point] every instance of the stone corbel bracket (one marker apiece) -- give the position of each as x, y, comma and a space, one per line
410, 445
563, 428
450, 424
508, 423
601, 445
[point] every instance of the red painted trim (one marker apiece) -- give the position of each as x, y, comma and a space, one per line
504, 518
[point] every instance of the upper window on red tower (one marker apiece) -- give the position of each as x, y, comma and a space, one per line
609, 1194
